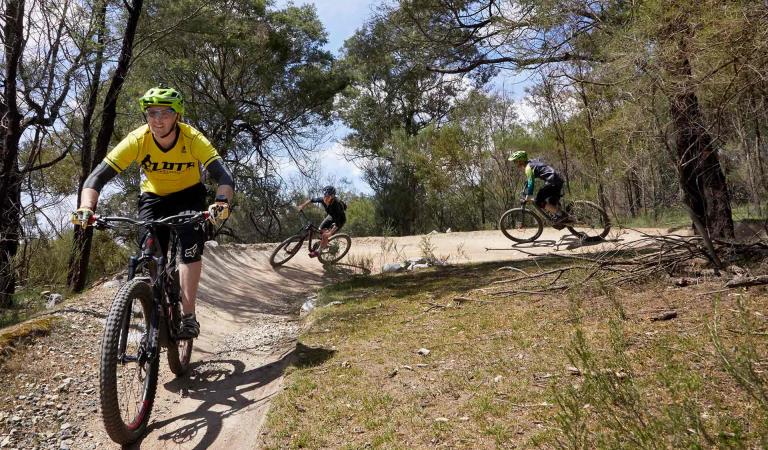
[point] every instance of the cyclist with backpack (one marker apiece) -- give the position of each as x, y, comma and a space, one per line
335, 219
171, 156
549, 195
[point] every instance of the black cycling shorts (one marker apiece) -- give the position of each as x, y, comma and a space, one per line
328, 223
191, 237
549, 193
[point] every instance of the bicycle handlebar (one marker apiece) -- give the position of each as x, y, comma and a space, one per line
171, 221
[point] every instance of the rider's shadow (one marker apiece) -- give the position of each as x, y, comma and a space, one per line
535, 244
224, 383
573, 242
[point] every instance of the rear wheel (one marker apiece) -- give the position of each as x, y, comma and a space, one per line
521, 225
590, 221
338, 247
286, 250
128, 372
179, 350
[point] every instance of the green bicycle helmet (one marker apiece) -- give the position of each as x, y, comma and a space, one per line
162, 96
519, 155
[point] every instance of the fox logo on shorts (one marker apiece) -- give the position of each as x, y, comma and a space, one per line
191, 252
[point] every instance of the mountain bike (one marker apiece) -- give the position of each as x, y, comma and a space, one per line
338, 245
144, 317
584, 219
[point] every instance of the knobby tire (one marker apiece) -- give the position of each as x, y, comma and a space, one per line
125, 430
521, 225
592, 221
326, 257
275, 260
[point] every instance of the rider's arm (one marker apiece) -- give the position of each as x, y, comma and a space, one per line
223, 177
529, 180
304, 205
94, 183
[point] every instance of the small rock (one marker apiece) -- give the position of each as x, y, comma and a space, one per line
346, 364
418, 266
423, 351
393, 372
65, 426
5, 442
664, 315
53, 300
407, 367
441, 419
498, 378
392, 267
464, 419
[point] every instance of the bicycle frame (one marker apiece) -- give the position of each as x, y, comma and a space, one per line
158, 277
309, 231
541, 212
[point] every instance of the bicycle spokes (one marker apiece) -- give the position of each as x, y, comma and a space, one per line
133, 361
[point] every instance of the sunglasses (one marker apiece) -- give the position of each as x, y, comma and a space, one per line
160, 113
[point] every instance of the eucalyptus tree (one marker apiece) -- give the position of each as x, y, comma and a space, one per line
256, 80
392, 92
41, 59
93, 150
670, 44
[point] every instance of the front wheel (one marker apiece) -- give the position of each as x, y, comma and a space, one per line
286, 250
521, 225
338, 247
590, 222
128, 372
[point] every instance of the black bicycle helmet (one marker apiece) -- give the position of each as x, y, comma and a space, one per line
329, 190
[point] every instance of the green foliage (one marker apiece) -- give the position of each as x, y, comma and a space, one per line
361, 217
48, 259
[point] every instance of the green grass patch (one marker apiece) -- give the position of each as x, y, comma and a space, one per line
581, 369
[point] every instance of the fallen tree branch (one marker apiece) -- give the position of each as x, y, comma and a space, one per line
525, 291
747, 281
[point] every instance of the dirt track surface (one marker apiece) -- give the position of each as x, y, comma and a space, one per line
249, 315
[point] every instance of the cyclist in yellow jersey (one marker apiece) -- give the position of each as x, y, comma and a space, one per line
171, 156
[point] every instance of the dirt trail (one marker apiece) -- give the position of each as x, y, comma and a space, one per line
249, 318
222, 403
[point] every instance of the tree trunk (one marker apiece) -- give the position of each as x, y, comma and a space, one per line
10, 177
705, 189
82, 238
81, 245
597, 153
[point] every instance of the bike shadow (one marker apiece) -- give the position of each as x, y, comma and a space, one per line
223, 387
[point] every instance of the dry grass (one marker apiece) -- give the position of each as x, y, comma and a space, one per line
589, 368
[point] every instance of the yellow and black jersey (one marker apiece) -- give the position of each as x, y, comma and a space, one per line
164, 172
